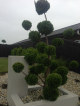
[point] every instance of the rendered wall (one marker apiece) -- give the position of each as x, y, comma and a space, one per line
16, 81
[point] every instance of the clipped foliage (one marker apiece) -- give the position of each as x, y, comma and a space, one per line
50, 94
69, 33
58, 42
73, 65
41, 47
54, 64
3, 41
42, 6
37, 69
64, 79
54, 80
30, 55
40, 68
18, 67
50, 50
63, 71
45, 27
26, 24
14, 51
43, 59
18, 51
34, 36
31, 79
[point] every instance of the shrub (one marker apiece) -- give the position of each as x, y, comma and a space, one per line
18, 51
73, 65
54, 64
34, 36
69, 33
61, 62
58, 42
50, 94
41, 47
50, 50
54, 80
18, 67
14, 51
30, 55
31, 79
26, 24
45, 27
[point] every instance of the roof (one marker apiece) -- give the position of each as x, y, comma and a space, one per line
56, 32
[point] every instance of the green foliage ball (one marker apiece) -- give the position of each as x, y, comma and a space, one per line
26, 24
43, 59
50, 94
50, 50
41, 47
40, 68
18, 51
31, 79
42, 6
37, 69
54, 64
54, 80
34, 36
30, 55
45, 27
18, 67
62, 70
73, 65
58, 42
69, 33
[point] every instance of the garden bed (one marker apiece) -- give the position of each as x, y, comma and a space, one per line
68, 99
35, 95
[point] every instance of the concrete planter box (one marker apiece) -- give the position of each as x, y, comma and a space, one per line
68, 99
17, 88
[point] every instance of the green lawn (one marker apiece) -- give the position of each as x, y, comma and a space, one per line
3, 65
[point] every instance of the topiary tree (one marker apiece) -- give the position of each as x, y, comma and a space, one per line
69, 33
3, 41
40, 60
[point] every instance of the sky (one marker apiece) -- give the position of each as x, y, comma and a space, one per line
62, 13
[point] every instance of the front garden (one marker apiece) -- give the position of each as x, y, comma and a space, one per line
40, 65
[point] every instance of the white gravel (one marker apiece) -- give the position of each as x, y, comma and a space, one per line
3, 92
71, 85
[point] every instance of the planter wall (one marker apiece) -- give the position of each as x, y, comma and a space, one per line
17, 88
16, 82
69, 99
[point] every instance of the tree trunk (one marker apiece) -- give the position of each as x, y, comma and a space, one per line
45, 16
46, 40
